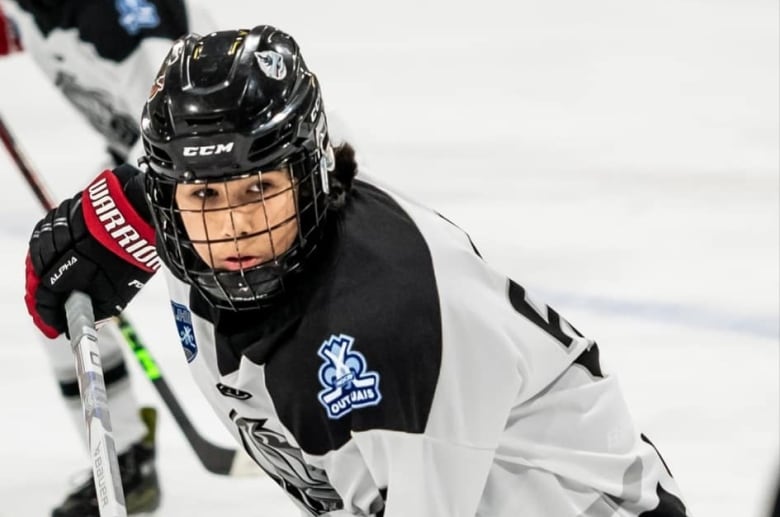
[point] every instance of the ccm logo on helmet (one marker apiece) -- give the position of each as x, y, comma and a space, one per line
208, 150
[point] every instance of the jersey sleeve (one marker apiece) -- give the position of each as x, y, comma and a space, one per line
425, 475
499, 349
488, 367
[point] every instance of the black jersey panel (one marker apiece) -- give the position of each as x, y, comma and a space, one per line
375, 308
116, 28
257, 334
356, 343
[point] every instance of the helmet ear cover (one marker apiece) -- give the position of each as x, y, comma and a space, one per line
226, 106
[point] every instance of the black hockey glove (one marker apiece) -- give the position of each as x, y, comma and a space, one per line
97, 243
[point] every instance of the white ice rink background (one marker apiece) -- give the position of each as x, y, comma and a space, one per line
620, 157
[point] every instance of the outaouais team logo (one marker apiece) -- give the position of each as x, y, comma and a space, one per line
347, 382
183, 318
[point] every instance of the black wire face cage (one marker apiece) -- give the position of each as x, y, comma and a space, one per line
247, 264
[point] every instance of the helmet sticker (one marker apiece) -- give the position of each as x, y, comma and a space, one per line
272, 64
157, 87
175, 53
348, 384
327, 158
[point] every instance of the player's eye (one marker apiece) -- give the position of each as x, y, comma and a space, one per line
264, 187
204, 193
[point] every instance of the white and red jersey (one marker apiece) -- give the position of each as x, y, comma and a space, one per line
403, 376
104, 56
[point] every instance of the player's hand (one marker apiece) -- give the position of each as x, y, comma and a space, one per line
9, 35
82, 246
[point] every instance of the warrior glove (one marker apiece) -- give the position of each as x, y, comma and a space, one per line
99, 242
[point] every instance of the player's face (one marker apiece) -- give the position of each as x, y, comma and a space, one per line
241, 223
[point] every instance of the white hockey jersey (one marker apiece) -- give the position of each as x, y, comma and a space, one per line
103, 56
405, 377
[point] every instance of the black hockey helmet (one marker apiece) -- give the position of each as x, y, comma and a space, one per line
226, 106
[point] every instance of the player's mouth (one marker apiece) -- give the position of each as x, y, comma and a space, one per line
238, 263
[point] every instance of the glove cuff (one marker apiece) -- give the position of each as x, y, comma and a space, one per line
29, 300
114, 222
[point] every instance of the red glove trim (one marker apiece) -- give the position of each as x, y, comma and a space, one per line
114, 222
9, 38
31, 285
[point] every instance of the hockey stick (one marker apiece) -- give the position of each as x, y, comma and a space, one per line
25, 168
105, 466
214, 458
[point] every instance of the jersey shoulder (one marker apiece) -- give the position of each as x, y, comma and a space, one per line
367, 350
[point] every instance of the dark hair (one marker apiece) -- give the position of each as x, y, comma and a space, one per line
342, 175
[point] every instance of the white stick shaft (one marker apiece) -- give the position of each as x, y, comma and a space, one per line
105, 467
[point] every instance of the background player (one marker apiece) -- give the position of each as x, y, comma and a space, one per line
102, 55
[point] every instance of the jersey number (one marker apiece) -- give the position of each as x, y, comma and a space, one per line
542, 315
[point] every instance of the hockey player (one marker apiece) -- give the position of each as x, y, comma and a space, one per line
102, 55
353, 342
